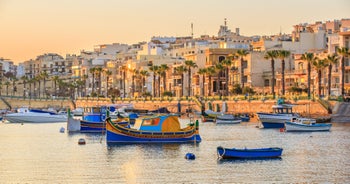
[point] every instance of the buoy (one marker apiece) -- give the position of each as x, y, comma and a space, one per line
62, 130
190, 156
81, 141
281, 129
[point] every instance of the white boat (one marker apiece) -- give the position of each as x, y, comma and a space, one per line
306, 125
25, 115
281, 113
227, 119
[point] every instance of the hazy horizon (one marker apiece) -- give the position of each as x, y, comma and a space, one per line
32, 28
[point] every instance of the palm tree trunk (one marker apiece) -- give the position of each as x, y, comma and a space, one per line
329, 79
308, 79
283, 83
203, 78
319, 75
342, 75
209, 86
189, 81
273, 78
227, 80
242, 73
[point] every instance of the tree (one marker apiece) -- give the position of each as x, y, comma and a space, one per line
154, 69
181, 70
202, 71
218, 70
44, 76
319, 65
272, 55
242, 53
310, 58
144, 74
7, 83
210, 72
163, 70
124, 70
282, 54
98, 71
55, 80
108, 73
227, 64
190, 64
24, 80
92, 71
332, 60
14, 87
343, 52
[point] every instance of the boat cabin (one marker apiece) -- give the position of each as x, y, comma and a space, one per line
282, 109
164, 123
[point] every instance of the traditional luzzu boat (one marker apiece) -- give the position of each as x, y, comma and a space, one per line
153, 129
306, 125
281, 113
255, 153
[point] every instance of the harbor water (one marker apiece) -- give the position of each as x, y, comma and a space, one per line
40, 153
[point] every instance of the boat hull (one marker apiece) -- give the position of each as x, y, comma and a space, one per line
260, 153
274, 120
117, 134
35, 118
295, 127
228, 121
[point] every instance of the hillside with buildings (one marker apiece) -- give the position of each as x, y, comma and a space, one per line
223, 65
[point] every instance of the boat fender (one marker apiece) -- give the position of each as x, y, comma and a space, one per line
281, 129
190, 156
81, 141
62, 130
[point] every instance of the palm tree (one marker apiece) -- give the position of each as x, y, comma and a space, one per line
190, 64
282, 54
344, 52
242, 53
218, 70
272, 54
144, 74
24, 79
202, 71
164, 68
7, 83
154, 69
44, 75
210, 72
124, 70
38, 79
55, 80
332, 60
98, 71
181, 70
84, 78
108, 73
14, 87
310, 58
227, 64
319, 65
80, 84
92, 71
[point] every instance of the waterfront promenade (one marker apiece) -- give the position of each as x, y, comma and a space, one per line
304, 107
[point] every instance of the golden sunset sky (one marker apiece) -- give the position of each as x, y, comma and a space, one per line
29, 28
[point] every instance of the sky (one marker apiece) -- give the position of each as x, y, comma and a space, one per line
29, 28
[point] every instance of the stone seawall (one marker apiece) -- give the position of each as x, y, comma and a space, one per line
303, 107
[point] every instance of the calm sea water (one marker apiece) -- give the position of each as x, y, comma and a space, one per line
39, 153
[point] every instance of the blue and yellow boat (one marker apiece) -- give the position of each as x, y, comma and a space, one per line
153, 129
